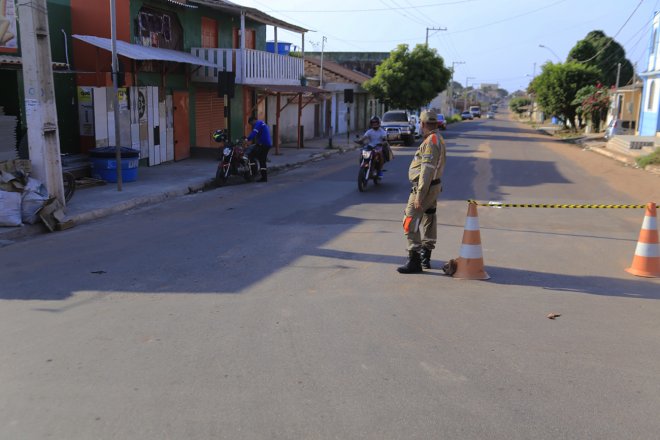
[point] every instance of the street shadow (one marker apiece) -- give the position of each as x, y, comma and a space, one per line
504, 172
491, 137
226, 240
561, 283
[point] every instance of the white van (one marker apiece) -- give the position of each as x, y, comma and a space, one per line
476, 111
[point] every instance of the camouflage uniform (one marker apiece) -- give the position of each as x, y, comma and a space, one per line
425, 172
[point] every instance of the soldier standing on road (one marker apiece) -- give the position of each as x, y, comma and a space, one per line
419, 224
262, 142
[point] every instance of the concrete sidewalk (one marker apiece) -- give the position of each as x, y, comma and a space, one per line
174, 179
598, 144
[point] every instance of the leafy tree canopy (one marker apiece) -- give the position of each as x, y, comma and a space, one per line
558, 85
593, 103
518, 104
604, 53
409, 79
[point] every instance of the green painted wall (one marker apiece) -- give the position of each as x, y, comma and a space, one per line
59, 19
191, 22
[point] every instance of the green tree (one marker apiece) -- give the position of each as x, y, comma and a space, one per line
518, 105
409, 79
604, 53
557, 86
502, 93
593, 103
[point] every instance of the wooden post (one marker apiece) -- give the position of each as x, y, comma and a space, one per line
277, 125
299, 119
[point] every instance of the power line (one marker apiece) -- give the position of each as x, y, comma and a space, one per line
338, 11
509, 18
615, 35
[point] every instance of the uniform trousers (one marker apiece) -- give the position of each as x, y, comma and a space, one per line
420, 225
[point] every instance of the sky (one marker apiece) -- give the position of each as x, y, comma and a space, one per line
497, 40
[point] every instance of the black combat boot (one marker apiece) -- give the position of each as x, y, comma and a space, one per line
264, 176
425, 255
414, 264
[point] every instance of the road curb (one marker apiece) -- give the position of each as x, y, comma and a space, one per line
603, 151
205, 184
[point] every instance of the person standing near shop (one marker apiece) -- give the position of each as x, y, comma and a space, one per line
260, 135
425, 173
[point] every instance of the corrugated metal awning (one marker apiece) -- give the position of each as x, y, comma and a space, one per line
182, 4
252, 13
144, 53
18, 61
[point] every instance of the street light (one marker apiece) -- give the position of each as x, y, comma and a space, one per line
551, 51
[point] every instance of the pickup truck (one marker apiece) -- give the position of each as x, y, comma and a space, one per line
476, 111
398, 127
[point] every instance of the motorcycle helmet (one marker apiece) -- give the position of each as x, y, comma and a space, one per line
374, 120
220, 136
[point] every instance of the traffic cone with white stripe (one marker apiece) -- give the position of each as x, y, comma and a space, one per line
646, 262
470, 263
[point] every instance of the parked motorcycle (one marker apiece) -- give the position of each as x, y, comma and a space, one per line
235, 160
371, 165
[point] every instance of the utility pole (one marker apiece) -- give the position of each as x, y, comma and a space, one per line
323, 40
451, 86
618, 75
467, 79
325, 101
432, 29
40, 109
115, 89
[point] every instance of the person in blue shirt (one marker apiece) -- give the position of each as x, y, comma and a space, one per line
260, 136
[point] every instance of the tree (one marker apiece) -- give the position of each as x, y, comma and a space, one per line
409, 79
593, 103
502, 93
604, 53
557, 86
519, 104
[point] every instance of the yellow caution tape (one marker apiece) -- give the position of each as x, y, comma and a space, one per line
537, 205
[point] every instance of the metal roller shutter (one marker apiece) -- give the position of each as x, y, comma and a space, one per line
209, 116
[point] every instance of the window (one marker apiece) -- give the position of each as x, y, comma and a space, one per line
654, 41
651, 95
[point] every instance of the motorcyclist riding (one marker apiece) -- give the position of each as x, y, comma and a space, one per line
377, 135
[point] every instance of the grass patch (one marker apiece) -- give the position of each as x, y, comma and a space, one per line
650, 159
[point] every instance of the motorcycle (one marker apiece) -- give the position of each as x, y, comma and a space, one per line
236, 161
371, 164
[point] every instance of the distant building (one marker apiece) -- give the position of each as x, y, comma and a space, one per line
364, 62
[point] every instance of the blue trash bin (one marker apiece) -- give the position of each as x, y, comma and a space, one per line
104, 163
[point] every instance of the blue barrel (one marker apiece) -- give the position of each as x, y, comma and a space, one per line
104, 163
282, 48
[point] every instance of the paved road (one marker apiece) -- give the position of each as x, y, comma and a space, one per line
275, 311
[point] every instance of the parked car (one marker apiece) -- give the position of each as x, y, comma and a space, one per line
490, 115
467, 115
398, 127
442, 122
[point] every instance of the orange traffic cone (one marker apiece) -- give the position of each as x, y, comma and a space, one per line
646, 262
470, 263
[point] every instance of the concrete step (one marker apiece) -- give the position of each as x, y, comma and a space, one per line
633, 145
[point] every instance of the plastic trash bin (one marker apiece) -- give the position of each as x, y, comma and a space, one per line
104, 163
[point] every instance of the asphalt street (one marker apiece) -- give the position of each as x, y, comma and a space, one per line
275, 311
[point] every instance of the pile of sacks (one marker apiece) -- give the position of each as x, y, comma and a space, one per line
21, 196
